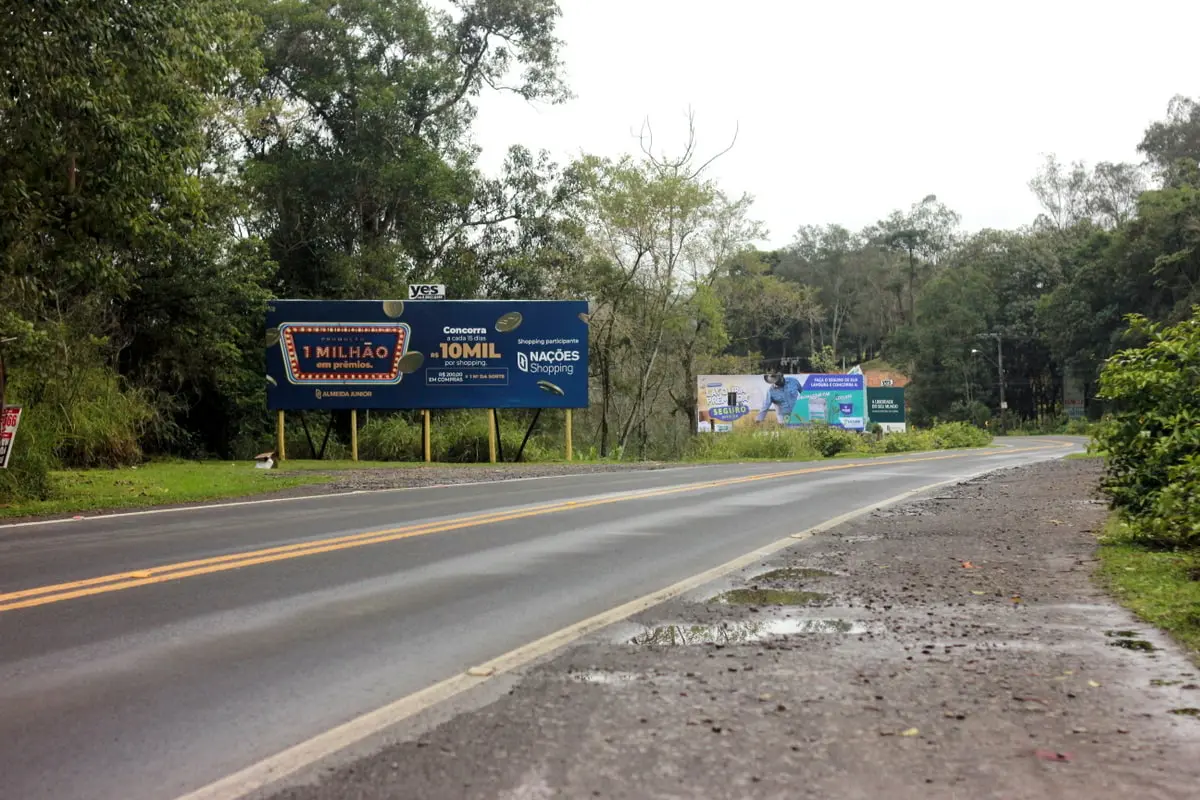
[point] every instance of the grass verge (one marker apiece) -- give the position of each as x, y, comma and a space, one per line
1161, 587
156, 484
162, 483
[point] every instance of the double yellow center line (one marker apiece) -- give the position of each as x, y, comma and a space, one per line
59, 592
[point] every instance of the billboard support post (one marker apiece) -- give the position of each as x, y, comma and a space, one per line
492, 435
528, 432
428, 451
354, 434
312, 446
570, 454
280, 442
499, 438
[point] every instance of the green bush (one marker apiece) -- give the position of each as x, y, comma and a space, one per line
392, 438
952, 435
1152, 433
1079, 427
908, 441
82, 419
975, 412
766, 444
30, 463
830, 441
1050, 425
826, 441
102, 423
455, 437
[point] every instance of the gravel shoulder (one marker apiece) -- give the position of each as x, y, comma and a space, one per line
954, 647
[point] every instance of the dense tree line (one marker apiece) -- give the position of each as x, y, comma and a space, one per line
166, 167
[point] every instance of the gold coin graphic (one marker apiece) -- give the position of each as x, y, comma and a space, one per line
509, 322
393, 308
410, 363
271, 381
272, 337
547, 386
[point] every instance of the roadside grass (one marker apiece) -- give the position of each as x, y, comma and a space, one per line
155, 484
1160, 587
1087, 454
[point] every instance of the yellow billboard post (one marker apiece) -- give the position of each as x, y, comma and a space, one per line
492, 435
570, 444
425, 436
279, 438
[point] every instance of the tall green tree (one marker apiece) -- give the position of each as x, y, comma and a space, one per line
105, 197
658, 230
1172, 145
923, 234
361, 160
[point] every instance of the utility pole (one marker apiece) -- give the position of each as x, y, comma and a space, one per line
1000, 367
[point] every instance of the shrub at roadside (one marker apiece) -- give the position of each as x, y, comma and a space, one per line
1152, 433
455, 437
767, 444
826, 441
1059, 424
91, 420
959, 434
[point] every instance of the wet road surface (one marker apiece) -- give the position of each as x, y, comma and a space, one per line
143, 656
880, 667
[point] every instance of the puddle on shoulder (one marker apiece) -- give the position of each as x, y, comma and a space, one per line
770, 597
742, 632
1127, 640
790, 574
603, 677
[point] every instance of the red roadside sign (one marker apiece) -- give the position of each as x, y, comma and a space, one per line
8, 432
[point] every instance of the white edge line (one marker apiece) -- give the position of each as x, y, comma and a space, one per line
265, 501
292, 760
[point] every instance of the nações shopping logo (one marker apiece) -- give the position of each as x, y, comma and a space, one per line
549, 362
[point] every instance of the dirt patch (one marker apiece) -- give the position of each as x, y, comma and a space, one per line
971, 661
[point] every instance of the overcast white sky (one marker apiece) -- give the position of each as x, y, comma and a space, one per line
849, 110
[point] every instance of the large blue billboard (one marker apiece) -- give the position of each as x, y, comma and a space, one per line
427, 354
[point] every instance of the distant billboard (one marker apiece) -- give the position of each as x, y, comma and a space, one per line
390, 354
735, 402
885, 405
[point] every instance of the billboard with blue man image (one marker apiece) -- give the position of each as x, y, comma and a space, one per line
793, 401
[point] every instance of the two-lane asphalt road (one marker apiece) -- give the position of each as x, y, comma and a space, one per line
146, 655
